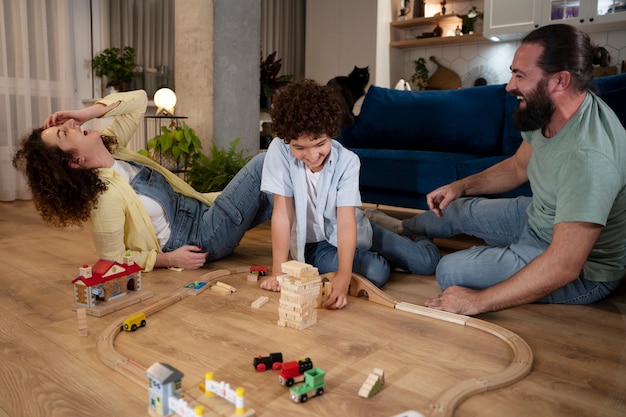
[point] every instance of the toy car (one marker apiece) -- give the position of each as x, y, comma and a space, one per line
262, 363
130, 324
313, 386
293, 372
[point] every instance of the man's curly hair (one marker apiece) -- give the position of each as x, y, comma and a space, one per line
64, 196
306, 109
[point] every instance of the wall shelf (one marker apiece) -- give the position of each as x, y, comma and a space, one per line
421, 21
438, 41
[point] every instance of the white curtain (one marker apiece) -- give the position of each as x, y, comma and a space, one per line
283, 30
147, 26
37, 75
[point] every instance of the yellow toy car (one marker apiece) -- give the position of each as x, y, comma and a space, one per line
130, 324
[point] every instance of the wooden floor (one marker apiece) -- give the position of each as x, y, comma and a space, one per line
46, 369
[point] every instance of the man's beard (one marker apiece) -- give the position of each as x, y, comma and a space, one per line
539, 109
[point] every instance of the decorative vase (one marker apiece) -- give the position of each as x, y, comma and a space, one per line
437, 31
418, 8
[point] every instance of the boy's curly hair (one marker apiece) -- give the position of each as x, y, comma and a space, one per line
306, 109
64, 196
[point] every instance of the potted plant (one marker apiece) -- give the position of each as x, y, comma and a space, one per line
175, 148
117, 65
270, 80
213, 174
420, 76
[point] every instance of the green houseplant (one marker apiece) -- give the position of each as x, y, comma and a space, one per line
117, 65
175, 148
270, 80
207, 174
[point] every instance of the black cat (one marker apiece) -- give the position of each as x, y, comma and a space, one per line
352, 88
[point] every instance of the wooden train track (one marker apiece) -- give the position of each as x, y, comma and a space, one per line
443, 406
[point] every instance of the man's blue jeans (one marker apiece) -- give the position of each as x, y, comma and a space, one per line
511, 245
388, 250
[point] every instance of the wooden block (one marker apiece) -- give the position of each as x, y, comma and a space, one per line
252, 277
220, 290
372, 383
260, 302
81, 316
225, 286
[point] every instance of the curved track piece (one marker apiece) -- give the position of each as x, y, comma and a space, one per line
443, 406
448, 400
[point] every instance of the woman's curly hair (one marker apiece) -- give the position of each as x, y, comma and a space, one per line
306, 109
64, 196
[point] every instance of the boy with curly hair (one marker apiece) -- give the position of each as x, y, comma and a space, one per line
315, 185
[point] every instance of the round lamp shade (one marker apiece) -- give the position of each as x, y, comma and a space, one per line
165, 99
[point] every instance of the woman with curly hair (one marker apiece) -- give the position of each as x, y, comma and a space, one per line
131, 203
315, 184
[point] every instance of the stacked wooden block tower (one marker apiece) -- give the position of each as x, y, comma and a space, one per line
300, 291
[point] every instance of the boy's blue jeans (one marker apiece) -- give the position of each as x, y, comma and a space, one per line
503, 225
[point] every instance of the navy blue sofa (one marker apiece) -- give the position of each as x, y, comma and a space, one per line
411, 142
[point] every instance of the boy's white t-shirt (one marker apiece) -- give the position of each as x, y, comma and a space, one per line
314, 231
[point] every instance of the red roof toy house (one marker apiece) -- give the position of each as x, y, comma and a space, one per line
106, 281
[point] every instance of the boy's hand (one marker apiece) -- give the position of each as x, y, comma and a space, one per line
338, 297
271, 283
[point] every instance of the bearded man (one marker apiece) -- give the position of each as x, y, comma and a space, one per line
565, 244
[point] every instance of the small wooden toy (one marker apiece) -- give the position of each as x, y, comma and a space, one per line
313, 386
260, 302
132, 323
164, 382
222, 389
222, 288
108, 286
372, 384
260, 270
293, 372
81, 318
262, 363
252, 277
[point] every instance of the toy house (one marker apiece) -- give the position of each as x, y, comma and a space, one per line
164, 382
106, 281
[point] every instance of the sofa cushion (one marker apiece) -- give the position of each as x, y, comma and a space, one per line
612, 90
468, 120
408, 171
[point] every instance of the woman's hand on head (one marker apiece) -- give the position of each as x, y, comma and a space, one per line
80, 116
60, 117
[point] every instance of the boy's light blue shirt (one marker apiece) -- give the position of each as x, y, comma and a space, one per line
285, 175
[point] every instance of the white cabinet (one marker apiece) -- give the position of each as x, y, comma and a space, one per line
512, 19
589, 15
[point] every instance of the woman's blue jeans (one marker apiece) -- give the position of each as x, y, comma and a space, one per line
218, 229
511, 245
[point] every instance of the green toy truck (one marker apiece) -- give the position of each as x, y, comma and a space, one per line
313, 386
